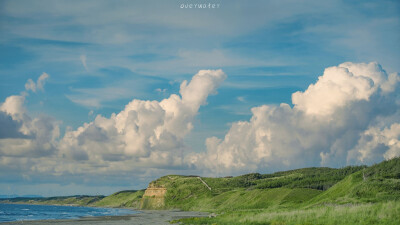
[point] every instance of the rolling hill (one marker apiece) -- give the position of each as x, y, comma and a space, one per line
296, 195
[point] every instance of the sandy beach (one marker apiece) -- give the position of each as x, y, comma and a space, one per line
153, 217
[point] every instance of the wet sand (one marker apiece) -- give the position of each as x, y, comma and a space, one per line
152, 217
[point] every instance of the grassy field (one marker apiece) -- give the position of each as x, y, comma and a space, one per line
78, 200
364, 195
370, 213
349, 195
130, 198
284, 190
121, 199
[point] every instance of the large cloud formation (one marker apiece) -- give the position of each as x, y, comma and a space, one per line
145, 137
149, 133
350, 115
21, 135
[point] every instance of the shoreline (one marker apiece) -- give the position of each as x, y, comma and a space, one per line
154, 217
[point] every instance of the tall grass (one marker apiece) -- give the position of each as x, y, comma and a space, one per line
121, 199
371, 213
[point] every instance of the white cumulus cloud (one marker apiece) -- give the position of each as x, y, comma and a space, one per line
349, 115
149, 132
27, 136
145, 137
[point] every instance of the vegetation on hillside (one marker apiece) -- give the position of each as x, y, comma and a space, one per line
250, 191
365, 195
130, 198
77, 200
349, 195
387, 213
380, 182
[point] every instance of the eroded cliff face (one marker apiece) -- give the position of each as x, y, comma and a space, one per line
153, 198
155, 192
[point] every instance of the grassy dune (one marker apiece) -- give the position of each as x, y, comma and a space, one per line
122, 199
377, 183
251, 191
368, 195
349, 195
78, 200
377, 213
119, 199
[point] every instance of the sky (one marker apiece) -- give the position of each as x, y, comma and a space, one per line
102, 96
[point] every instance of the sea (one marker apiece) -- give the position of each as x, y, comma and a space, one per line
20, 212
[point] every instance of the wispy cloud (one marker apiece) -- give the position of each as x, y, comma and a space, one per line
83, 60
116, 84
95, 97
87, 102
30, 85
241, 99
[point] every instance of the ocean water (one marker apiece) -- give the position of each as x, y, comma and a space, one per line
18, 212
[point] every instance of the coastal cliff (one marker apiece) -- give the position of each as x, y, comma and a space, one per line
300, 188
154, 197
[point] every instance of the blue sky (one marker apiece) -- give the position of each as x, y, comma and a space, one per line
100, 55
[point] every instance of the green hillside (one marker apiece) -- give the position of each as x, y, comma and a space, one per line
349, 195
380, 182
78, 200
129, 199
387, 213
190, 194
121, 199
250, 191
